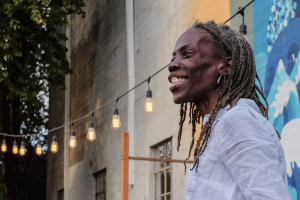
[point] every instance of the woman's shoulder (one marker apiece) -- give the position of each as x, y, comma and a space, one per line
245, 120
243, 108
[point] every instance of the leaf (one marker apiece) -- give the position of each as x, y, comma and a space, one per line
5, 74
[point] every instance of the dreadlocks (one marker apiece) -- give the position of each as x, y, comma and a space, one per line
238, 83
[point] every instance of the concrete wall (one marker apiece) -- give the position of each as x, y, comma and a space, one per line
99, 63
55, 162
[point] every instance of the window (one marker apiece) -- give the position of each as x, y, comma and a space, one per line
162, 171
101, 185
60, 194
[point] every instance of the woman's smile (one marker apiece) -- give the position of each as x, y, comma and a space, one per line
176, 82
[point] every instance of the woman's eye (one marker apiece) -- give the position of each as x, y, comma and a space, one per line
187, 53
173, 58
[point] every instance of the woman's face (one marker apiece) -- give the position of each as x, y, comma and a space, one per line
194, 68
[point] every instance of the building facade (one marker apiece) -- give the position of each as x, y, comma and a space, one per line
115, 47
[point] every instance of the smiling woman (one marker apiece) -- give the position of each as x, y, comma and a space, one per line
196, 67
238, 151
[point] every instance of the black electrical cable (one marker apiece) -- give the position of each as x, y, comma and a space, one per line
240, 11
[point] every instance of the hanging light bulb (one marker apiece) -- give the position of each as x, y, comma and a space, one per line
54, 145
73, 141
243, 27
91, 135
4, 146
116, 123
15, 147
38, 148
22, 150
148, 102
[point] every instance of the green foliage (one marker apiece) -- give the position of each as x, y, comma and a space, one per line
33, 53
32, 58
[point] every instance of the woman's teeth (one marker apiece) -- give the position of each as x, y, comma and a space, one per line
177, 80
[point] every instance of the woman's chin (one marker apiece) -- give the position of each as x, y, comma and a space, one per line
178, 99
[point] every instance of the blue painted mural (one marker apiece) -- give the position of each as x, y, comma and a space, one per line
277, 52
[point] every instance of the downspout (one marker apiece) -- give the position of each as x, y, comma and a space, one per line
131, 80
67, 113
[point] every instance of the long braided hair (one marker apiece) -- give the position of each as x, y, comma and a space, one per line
239, 83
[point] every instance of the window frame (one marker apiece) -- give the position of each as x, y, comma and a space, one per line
157, 171
99, 174
60, 194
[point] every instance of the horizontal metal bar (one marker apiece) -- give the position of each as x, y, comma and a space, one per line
159, 159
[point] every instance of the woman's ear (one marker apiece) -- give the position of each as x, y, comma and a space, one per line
226, 68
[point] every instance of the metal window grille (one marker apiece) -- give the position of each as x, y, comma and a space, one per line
162, 171
60, 194
101, 185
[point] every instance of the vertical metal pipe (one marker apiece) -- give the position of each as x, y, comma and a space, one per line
67, 114
125, 163
131, 80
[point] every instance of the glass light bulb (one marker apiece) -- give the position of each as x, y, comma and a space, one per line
149, 105
91, 135
22, 151
72, 142
54, 147
116, 123
38, 149
4, 146
15, 149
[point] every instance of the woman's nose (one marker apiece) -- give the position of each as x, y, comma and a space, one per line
173, 65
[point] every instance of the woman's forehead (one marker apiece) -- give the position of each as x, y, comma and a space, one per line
194, 33
192, 37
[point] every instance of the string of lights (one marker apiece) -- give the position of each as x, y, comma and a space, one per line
116, 122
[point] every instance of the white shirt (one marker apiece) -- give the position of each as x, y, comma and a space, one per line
244, 159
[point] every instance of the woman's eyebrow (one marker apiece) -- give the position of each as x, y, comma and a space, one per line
181, 49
